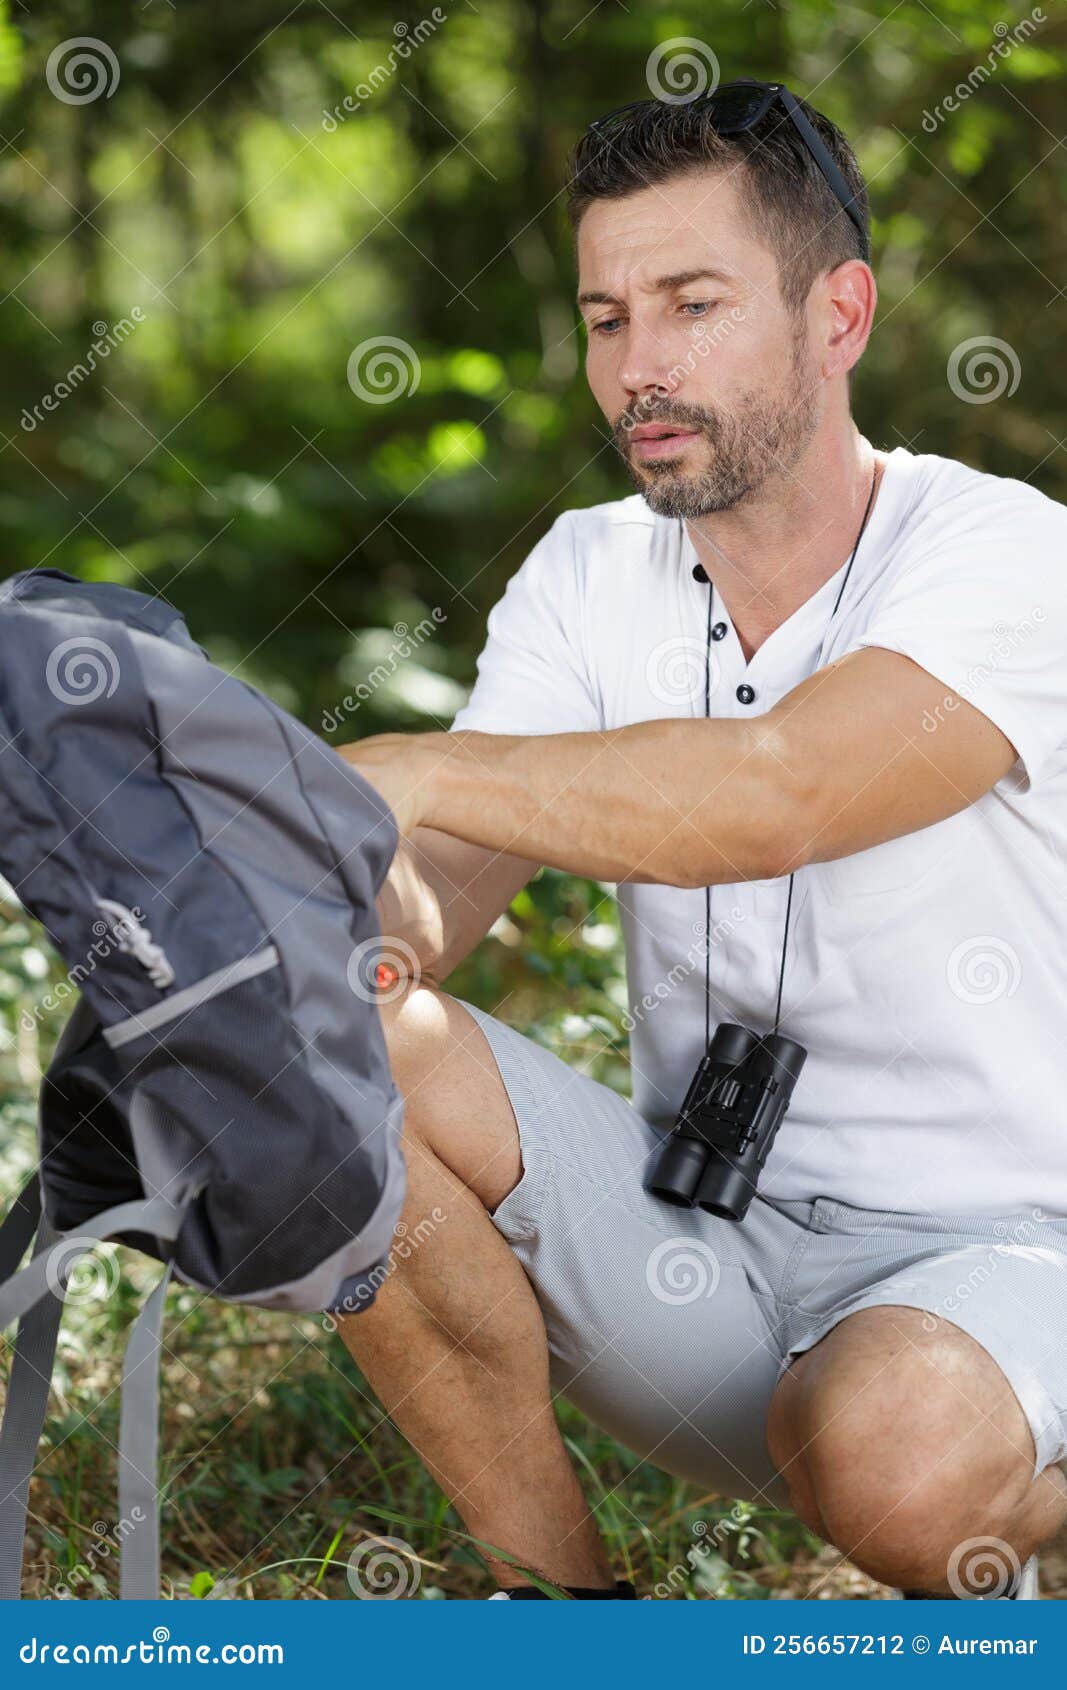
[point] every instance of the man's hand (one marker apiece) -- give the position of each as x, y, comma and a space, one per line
402, 768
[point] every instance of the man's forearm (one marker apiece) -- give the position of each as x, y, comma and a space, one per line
842, 763
620, 805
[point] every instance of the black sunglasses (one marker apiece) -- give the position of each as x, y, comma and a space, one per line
737, 106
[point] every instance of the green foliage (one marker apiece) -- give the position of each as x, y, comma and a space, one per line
219, 455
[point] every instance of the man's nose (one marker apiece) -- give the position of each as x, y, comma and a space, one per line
647, 370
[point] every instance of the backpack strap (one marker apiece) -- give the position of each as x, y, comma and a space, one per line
139, 1451
157, 1216
25, 1296
29, 1379
17, 1227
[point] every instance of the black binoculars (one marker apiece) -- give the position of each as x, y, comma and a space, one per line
727, 1122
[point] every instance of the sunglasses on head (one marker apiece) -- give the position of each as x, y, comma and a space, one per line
737, 106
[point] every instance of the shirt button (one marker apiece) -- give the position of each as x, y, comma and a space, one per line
719, 631
745, 693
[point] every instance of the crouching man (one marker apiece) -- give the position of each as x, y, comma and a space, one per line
804, 702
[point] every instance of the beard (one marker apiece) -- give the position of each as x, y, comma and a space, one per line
760, 438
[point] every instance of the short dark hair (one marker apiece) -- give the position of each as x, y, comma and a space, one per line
789, 205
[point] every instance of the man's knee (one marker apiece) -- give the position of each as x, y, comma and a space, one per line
901, 1440
414, 1020
456, 1106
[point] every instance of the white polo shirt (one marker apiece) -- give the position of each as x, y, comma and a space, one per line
927, 977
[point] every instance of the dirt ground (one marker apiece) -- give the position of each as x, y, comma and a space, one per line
827, 1576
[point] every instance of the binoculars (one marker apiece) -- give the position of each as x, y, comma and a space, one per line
727, 1122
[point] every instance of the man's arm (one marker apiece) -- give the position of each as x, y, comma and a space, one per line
442, 895
845, 761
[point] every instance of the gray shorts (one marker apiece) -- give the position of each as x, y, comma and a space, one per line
670, 1328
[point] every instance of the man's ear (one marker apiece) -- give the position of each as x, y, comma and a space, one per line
850, 295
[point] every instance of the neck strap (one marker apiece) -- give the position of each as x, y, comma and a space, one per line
707, 712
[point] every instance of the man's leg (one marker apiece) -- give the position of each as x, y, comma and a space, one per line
454, 1344
903, 1441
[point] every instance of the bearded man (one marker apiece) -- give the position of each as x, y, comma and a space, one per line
802, 701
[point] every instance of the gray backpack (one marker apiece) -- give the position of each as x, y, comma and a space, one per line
220, 1097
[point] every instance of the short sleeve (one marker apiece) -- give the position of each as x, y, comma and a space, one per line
986, 613
532, 674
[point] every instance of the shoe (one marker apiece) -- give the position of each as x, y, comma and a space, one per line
624, 1591
1028, 1591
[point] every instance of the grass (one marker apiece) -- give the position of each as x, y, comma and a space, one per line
276, 1465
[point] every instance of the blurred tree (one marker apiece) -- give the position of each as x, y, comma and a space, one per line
205, 168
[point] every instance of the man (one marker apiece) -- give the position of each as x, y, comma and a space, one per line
723, 696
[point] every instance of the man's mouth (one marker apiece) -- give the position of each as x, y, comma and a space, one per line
660, 440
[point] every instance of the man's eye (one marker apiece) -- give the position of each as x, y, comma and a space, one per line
697, 307
609, 326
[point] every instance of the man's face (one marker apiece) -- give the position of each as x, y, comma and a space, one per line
704, 375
